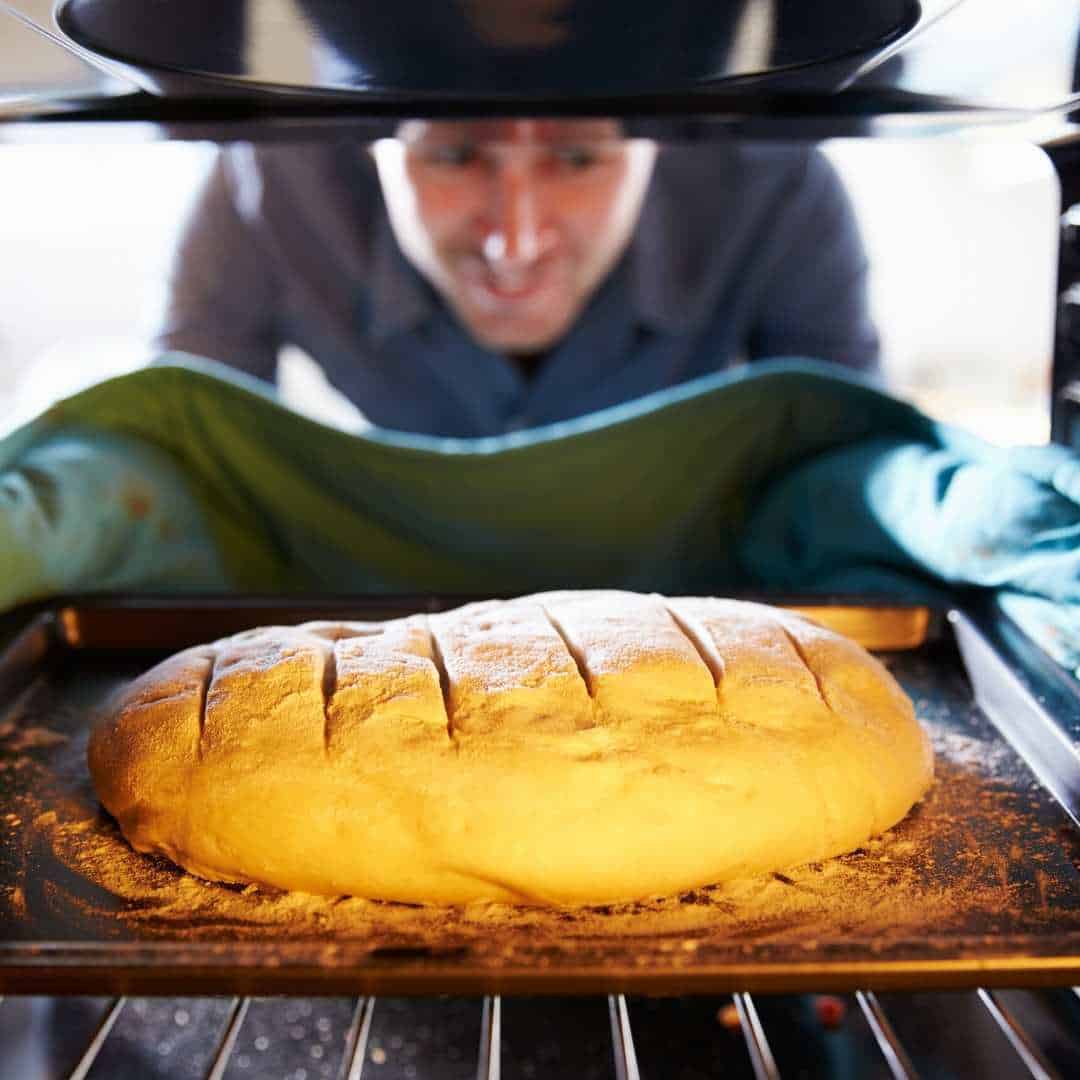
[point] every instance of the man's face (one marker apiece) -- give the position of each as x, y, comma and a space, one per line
514, 222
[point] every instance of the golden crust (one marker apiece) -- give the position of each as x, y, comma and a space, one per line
561, 748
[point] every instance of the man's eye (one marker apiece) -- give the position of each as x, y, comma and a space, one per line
576, 157
455, 156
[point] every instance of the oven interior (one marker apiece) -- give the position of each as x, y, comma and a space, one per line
102, 100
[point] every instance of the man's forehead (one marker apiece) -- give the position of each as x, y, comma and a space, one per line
510, 130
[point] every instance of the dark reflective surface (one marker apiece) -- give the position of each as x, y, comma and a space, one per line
950, 1036
493, 47
764, 68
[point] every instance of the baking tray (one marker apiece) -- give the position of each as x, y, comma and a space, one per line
978, 886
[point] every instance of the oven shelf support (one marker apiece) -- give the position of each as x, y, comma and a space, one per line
761, 1055
888, 1042
489, 1063
1037, 1064
86, 1062
352, 1063
622, 1039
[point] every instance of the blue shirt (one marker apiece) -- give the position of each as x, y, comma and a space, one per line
741, 253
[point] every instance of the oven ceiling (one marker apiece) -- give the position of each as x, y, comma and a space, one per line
851, 63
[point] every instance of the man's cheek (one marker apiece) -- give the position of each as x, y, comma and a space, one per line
445, 208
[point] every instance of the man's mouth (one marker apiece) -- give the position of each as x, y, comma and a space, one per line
498, 288
512, 288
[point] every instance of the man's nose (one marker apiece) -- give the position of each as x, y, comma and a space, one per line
516, 230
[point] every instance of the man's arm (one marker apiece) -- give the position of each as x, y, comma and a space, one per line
221, 293
815, 301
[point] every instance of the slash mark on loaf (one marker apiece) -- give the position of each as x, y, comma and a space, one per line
444, 678
329, 685
575, 654
818, 682
699, 638
204, 694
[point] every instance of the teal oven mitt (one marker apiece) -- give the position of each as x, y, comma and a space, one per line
886, 515
91, 510
957, 512
787, 475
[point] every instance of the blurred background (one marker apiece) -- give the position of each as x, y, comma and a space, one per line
962, 235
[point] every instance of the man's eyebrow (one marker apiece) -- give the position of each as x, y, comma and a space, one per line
596, 131
444, 135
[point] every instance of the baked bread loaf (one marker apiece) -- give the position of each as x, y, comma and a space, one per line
568, 747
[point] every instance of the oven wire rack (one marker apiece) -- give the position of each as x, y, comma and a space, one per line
359, 1061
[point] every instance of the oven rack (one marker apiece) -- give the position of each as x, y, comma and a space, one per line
360, 1060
